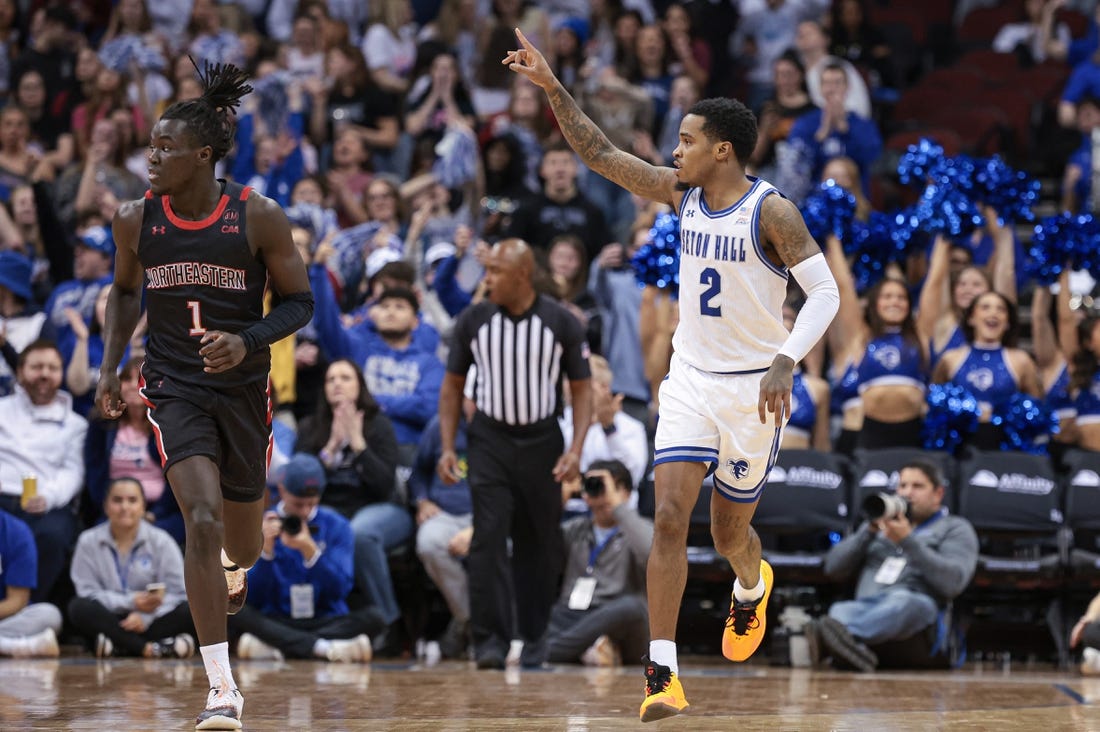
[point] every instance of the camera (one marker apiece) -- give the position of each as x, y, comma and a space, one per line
594, 486
884, 505
292, 525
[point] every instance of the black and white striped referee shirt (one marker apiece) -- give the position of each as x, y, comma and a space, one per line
520, 360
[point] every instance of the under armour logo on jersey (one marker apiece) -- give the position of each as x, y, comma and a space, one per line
738, 467
157, 230
689, 214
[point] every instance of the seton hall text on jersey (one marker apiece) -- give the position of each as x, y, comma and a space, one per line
699, 244
179, 274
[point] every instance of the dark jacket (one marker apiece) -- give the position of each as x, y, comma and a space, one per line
359, 480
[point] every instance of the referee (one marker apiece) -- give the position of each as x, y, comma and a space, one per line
522, 344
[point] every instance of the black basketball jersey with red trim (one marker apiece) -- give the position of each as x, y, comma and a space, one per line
200, 276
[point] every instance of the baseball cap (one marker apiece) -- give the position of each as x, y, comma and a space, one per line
438, 251
378, 259
15, 274
303, 476
98, 238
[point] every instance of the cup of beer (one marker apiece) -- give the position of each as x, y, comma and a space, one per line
156, 588
30, 489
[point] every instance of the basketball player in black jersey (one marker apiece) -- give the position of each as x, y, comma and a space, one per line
204, 250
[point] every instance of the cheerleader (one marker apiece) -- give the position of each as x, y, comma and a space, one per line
886, 351
989, 365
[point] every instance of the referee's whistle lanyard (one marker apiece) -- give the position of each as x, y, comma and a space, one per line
597, 550
123, 576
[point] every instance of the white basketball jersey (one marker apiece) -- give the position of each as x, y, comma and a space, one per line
731, 295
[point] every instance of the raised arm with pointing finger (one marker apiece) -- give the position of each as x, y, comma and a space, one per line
740, 240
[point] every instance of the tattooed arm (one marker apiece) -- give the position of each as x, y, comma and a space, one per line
788, 240
589, 141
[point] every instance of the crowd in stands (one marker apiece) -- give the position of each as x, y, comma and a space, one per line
402, 151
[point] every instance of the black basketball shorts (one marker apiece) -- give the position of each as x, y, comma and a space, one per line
230, 426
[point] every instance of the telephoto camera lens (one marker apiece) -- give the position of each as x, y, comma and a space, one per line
884, 505
593, 486
292, 525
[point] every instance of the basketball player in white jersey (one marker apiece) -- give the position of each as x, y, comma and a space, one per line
734, 359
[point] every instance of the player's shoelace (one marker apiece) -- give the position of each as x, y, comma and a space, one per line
743, 617
657, 679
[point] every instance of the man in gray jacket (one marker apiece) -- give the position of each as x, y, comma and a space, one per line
601, 614
909, 567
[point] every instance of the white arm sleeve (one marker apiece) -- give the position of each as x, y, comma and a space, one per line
822, 302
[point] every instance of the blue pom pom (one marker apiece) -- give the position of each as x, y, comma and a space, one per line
829, 209
1065, 240
1010, 192
1027, 422
952, 415
657, 262
956, 187
918, 162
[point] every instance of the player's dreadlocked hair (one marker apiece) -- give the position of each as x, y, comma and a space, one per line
212, 117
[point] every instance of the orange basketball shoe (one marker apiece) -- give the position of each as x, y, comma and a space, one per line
664, 697
747, 621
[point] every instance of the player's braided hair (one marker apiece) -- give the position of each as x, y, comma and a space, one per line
212, 117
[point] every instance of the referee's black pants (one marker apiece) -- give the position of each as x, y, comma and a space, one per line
514, 494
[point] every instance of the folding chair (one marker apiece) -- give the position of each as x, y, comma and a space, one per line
1014, 501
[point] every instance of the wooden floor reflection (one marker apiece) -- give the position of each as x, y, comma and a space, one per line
83, 694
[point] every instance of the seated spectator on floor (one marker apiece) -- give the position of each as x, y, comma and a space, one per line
601, 615
42, 438
128, 575
127, 447
832, 131
297, 598
1087, 633
27, 630
444, 517
910, 565
356, 443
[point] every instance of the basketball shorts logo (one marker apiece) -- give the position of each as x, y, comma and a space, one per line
738, 468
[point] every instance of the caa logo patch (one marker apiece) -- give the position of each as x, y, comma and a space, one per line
738, 468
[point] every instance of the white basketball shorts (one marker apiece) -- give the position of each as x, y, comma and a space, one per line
714, 418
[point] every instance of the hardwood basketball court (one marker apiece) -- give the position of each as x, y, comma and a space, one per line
81, 693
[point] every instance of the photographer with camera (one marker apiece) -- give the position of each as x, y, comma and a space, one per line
912, 557
601, 614
296, 604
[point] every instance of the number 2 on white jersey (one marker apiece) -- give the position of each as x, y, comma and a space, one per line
196, 318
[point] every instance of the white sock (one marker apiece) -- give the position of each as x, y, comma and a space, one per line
663, 652
216, 660
8, 644
229, 563
320, 648
742, 595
